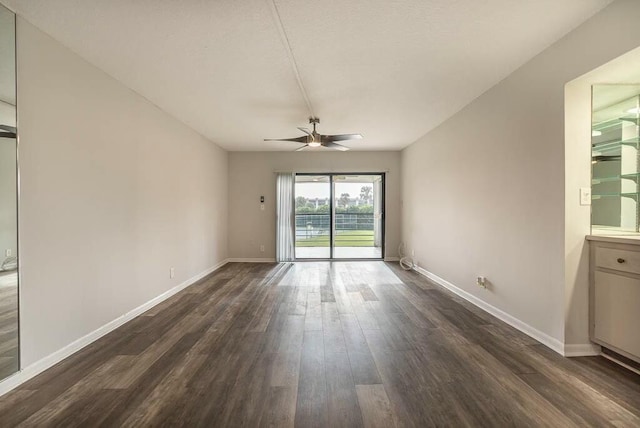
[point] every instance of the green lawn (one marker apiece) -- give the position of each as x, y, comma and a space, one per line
343, 238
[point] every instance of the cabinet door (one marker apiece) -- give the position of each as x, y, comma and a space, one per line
617, 311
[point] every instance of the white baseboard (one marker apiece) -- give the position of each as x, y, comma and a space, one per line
252, 260
541, 337
581, 350
273, 260
41, 365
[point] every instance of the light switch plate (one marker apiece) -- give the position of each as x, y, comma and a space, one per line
585, 196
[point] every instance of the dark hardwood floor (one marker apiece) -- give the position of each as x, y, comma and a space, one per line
322, 344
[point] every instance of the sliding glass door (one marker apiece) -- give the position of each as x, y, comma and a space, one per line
339, 216
358, 216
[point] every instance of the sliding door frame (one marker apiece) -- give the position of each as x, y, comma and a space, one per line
332, 213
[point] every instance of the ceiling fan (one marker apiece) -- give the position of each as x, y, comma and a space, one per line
7, 131
314, 139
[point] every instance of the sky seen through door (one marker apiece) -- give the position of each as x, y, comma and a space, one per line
321, 190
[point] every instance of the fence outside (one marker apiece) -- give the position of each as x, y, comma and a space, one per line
352, 229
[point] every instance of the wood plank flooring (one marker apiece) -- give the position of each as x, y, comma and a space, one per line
342, 344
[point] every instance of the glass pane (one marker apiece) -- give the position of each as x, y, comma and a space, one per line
313, 216
614, 149
358, 203
9, 354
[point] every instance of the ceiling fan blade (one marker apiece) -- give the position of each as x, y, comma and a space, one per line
335, 146
302, 139
8, 128
301, 148
341, 137
305, 130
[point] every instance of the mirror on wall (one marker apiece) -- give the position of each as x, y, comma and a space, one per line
615, 159
9, 352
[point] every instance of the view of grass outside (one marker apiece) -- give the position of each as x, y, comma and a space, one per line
343, 238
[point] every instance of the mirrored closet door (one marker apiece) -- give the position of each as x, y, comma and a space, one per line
9, 350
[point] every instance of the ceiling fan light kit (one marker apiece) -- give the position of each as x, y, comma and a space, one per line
314, 139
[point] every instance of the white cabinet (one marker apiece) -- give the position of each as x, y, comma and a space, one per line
615, 296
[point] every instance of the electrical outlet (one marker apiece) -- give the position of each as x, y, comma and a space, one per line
481, 281
172, 272
8, 252
261, 207
262, 248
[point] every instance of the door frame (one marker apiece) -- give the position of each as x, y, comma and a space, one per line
332, 213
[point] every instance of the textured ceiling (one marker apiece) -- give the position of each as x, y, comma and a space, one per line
389, 69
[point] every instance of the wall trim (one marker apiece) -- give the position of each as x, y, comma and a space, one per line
251, 260
43, 364
392, 259
581, 350
514, 322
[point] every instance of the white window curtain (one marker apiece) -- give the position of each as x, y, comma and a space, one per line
285, 228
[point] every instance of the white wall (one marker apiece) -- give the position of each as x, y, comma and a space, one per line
252, 174
113, 193
484, 193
